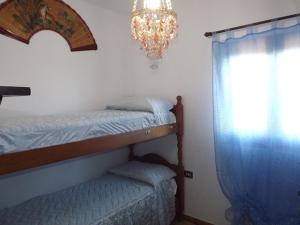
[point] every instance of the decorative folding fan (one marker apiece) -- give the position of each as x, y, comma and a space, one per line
21, 19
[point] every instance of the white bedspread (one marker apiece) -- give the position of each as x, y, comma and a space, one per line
21, 134
108, 200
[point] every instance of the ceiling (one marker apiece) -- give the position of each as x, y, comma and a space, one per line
120, 6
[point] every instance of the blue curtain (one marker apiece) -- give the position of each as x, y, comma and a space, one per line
256, 81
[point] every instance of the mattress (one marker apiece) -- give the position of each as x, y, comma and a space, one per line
109, 200
21, 134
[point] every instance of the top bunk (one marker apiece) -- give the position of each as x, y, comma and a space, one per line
32, 142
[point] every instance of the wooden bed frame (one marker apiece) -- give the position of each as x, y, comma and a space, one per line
14, 162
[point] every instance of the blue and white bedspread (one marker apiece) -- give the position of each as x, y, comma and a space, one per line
21, 134
109, 200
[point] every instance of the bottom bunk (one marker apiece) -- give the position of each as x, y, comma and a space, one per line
135, 193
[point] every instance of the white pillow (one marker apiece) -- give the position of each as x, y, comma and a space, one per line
159, 105
152, 174
144, 104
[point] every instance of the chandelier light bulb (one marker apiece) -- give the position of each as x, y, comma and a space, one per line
152, 4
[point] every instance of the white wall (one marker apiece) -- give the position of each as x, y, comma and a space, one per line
87, 80
186, 70
63, 82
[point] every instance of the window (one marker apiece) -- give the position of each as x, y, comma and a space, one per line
288, 69
264, 87
250, 92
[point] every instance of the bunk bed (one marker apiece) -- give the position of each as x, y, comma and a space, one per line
12, 162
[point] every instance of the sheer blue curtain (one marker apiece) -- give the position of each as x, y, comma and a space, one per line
257, 125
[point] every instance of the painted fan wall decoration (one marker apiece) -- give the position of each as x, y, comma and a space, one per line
21, 19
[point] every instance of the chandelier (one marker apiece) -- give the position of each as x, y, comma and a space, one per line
153, 25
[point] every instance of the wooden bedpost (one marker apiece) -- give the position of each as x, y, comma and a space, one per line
131, 152
178, 110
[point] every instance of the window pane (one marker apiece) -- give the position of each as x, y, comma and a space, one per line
249, 79
289, 91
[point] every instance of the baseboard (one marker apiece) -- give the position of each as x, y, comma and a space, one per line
196, 221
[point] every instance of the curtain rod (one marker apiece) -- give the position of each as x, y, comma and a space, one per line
210, 34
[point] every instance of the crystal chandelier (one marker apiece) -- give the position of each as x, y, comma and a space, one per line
153, 25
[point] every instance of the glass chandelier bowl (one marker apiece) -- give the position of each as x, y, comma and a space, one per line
153, 25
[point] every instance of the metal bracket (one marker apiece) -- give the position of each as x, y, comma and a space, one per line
10, 91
